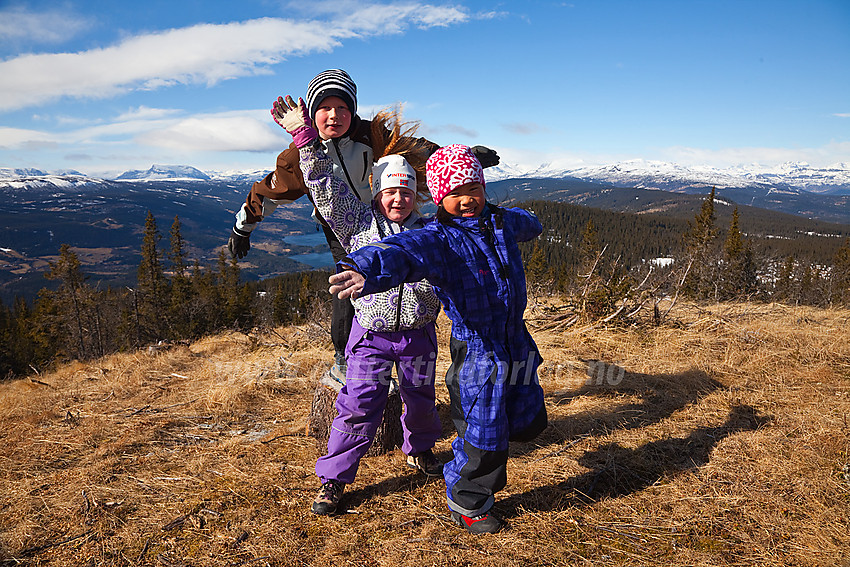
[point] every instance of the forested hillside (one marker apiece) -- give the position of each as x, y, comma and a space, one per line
597, 264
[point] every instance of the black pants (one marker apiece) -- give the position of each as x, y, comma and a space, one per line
343, 310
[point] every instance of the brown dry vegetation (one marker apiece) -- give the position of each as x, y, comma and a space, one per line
725, 443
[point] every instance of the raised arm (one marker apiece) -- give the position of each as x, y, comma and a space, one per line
345, 213
338, 205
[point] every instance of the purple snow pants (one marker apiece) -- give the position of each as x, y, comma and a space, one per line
371, 356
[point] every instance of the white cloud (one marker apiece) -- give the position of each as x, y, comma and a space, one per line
170, 129
13, 138
225, 132
843, 114
383, 18
200, 54
147, 113
19, 24
492, 15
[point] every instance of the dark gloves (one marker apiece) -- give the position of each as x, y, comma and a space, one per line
486, 156
239, 243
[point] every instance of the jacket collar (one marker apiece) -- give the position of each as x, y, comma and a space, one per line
415, 220
471, 223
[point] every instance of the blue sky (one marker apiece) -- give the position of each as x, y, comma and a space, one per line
103, 86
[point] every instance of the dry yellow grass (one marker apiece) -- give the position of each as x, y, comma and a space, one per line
724, 442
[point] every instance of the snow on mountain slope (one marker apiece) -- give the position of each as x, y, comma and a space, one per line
789, 178
165, 173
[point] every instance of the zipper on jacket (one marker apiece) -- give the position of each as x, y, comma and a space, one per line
397, 325
398, 308
335, 142
490, 238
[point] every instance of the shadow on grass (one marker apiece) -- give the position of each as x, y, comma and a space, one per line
638, 400
620, 471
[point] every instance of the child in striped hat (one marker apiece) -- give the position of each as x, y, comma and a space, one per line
347, 140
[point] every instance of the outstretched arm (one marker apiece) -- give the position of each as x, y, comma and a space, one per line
524, 224
409, 256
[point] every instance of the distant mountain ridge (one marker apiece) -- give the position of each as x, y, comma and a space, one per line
103, 218
164, 172
641, 174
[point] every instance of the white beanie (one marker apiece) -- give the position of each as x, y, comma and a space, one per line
392, 171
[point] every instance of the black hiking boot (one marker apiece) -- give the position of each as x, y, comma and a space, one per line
425, 462
328, 498
486, 523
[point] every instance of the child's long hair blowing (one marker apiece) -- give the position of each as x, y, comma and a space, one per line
392, 136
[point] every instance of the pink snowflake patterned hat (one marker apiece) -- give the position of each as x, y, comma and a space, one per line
450, 167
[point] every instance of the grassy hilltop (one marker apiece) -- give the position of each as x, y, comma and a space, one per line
725, 441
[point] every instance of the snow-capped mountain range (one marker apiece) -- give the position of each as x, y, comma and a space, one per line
103, 217
29, 177
797, 176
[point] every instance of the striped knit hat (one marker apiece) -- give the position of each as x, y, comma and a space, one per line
333, 82
450, 167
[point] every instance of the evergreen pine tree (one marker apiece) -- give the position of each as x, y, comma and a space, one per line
700, 245
152, 285
207, 304
18, 349
536, 271
738, 272
588, 250
69, 319
181, 301
177, 252
840, 274
236, 297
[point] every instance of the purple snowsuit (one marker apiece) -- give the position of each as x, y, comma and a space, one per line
371, 357
393, 329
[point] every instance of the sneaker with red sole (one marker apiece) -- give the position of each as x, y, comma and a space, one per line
486, 523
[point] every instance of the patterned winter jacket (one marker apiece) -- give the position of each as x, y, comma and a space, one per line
352, 160
356, 224
475, 267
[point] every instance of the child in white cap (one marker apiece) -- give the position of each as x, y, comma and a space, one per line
394, 328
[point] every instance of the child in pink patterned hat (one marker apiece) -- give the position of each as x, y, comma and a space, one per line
451, 167
470, 256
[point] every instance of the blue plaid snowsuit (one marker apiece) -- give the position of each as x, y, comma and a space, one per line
475, 268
